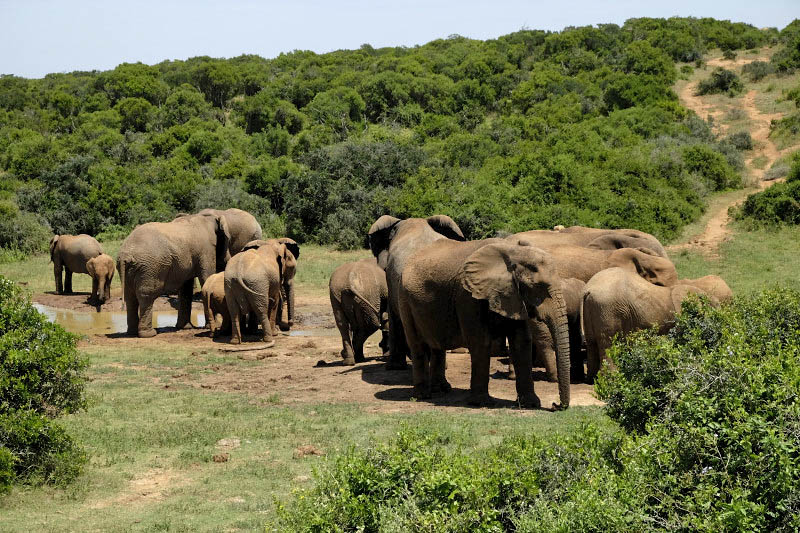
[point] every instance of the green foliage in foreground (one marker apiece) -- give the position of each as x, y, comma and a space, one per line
709, 440
41, 377
528, 130
777, 205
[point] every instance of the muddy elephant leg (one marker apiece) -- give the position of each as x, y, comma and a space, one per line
146, 315
343, 324
545, 349
235, 312
57, 268
95, 297
67, 280
479, 376
273, 315
266, 327
185, 304
132, 309
398, 348
520, 347
359, 338
439, 383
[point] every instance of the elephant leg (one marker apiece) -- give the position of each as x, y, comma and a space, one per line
95, 297
273, 315
146, 315
545, 349
235, 311
520, 343
479, 377
592, 358
266, 326
185, 304
421, 371
343, 324
132, 309
576, 353
57, 268
439, 381
225, 328
359, 338
384, 344
67, 280
398, 347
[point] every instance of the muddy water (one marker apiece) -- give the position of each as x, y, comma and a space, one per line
108, 322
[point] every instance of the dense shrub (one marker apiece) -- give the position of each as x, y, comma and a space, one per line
41, 377
709, 441
758, 70
721, 81
741, 140
777, 205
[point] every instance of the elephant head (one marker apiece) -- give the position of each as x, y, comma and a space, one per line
387, 228
647, 263
101, 269
520, 282
223, 240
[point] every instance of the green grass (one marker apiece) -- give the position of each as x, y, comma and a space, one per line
316, 264
134, 425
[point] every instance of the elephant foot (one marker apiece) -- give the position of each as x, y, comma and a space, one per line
421, 392
396, 365
269, 343
512, 374
481, 400
348, 362
235, 340
441, 386
184, 325
147, 333
285, 326
552, 378
530, 402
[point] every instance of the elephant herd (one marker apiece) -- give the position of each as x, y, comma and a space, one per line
537, 296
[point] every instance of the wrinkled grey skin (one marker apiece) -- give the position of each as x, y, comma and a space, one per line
543, 343
242, 226
359, 299
714, 286
289, 272
214, 305
392, 242
600, 239
165, 257
101, 269
69, 253
618, 301
475, 293
253, 285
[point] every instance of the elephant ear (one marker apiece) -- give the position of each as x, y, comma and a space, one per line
289, 259
222, 228
446, 226
380, 236
291, 245
254, 245
53, 242
489, 275
90, 268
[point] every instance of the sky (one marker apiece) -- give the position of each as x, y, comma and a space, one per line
41, 36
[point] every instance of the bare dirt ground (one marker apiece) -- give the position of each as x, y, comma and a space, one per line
717, 229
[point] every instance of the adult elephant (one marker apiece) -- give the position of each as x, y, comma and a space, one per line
359, 299
475, 293
164, 257
617, 301
393, 241
601, 239
69, 254
253, 285
289, 272
242, 226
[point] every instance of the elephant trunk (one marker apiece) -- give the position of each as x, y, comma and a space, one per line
556, 320
290, 302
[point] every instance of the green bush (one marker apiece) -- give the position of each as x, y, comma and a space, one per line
41, 377
741, 140
777, 205
758, 70
720, 81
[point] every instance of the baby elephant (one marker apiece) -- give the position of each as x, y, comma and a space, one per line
214, 305
70, 254
359, 299
101, 269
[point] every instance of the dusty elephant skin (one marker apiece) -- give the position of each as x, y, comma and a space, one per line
164, 257
287, 283
69, 253
101, 269
253, 285
618, 301
597, 238
473, 294
242, 226
214, 305
393, 242
544, 346
359, 299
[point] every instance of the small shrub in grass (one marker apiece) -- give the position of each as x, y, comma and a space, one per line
721, 81
758, 70
729, 55
741, 140
777, 205
41, 376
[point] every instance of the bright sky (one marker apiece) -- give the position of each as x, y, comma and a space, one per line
41, 36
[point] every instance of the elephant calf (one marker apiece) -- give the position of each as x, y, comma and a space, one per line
616, 301
543, 343
214, 304
69, 253
101, 269
359, 298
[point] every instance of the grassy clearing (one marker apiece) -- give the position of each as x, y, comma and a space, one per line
316, 264
140, 428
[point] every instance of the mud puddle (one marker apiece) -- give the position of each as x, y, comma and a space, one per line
89, 323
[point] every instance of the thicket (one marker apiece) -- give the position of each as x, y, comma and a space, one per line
721, 80
528, 130
776, 206
41, 377
708, 440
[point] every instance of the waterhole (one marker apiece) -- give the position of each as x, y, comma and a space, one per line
109, 321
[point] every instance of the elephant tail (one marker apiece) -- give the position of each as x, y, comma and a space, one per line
357, 289
121, 268
240, 281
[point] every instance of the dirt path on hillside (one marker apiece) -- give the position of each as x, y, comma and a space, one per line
717, 228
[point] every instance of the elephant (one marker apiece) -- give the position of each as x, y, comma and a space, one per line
617, 301
69, 253
544, 347
359, 298
253, 280
601, 239
163, 257
289, 272
101, 269
393, 241
214, 305
475, 293
242, 226
714, 286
